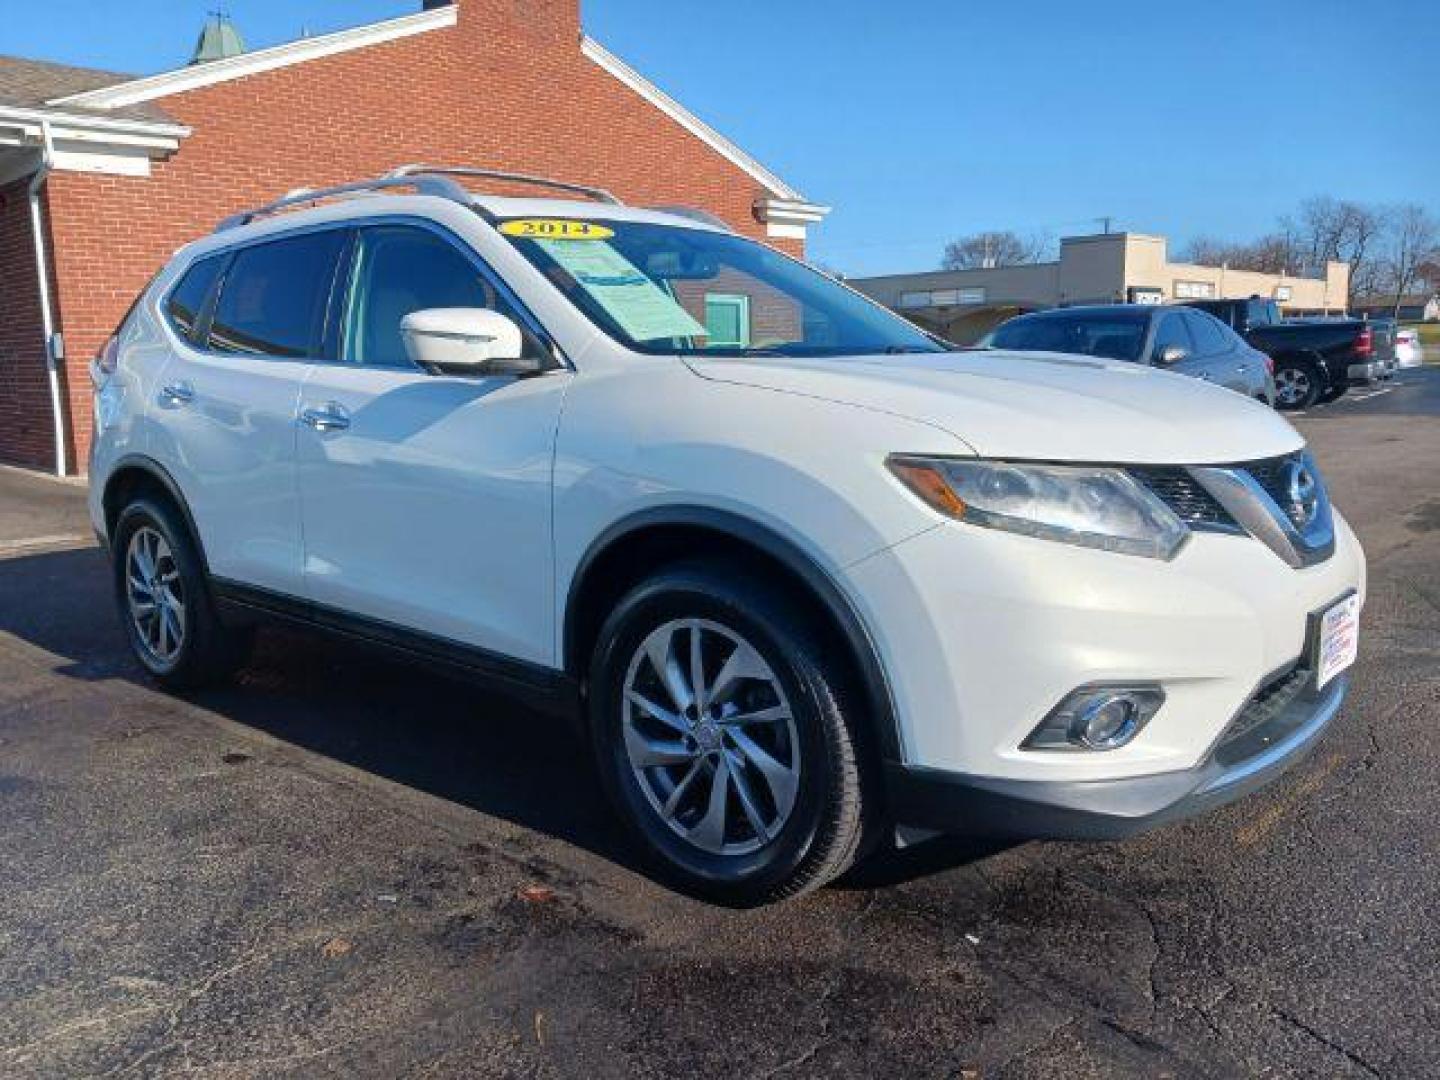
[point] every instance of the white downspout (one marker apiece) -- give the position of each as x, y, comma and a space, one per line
54, 351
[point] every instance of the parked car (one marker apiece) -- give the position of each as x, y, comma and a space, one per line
805, 578
1315, 362
1187, 342
1408, 350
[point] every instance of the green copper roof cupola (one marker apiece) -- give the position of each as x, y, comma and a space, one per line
218, 40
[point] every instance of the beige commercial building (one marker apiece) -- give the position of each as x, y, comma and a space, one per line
961, 305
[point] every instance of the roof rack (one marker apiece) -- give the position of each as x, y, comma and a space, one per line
423, 185
705, 217
596, 193
424, 179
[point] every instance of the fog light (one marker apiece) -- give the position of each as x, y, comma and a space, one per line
1097, 718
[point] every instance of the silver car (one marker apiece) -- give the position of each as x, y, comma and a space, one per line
1182, 339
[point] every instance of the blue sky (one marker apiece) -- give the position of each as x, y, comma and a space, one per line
921, 120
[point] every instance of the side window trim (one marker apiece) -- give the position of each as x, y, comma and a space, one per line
495, 281
200, 334
332, 338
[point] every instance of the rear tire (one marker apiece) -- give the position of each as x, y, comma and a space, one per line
1298, 383
164, 600
793, 803
1335, 393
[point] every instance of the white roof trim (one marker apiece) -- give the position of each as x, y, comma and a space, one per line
686, 119
159, 130
253, 63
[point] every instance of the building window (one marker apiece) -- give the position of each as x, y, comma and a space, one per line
1282, 292
1194, 290
941, 298
727, 321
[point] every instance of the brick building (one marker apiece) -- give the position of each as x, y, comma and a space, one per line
120, 171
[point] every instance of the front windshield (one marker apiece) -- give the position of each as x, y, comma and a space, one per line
1115, 337
668, 289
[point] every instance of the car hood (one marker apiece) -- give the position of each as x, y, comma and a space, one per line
1037, 406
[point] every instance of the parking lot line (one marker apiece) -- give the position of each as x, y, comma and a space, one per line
45, 543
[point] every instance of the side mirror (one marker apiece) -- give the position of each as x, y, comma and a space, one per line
1171, 354
465, 341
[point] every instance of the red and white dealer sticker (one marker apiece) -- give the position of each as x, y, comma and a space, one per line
1339, 639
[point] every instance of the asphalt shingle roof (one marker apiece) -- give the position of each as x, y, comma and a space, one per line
29, 84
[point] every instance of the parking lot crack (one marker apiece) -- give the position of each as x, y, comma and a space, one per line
1320, 1037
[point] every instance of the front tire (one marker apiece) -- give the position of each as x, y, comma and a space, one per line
164, 600
725, 737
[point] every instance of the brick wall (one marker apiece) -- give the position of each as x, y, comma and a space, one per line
26, 424
507, 87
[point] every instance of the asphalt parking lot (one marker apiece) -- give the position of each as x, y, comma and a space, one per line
343, 866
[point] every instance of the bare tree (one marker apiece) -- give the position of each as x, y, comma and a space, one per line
1414, 243
1336, 230
988, 249
1272, 254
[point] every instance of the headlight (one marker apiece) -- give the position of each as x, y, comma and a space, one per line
1075, 504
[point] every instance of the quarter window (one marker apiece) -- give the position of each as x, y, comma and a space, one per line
1211, 335
399, 269
1170, 331
273, 298
188, 298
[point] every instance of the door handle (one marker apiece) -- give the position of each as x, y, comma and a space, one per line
328, 417
176, 393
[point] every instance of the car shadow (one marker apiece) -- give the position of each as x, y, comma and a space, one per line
396, 720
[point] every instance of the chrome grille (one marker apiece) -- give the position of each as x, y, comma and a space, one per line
1273, 475
1182, 493
1251, 497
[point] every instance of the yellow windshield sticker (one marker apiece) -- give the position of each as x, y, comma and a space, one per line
555, 229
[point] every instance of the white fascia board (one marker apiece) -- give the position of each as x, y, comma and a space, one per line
112, 161
80, 145
253, 63
788, 218
32, 118
686, 119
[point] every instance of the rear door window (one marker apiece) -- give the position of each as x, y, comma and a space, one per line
274, 297
187, 299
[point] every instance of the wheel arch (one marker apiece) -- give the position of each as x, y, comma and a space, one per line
135, 474
625, 552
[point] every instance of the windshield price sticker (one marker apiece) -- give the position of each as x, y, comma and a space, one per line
555, 229
644, 310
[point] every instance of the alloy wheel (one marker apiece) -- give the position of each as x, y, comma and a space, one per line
710, 737
155, 596
1292, 385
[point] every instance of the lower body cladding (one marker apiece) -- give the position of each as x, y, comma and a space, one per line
986, 635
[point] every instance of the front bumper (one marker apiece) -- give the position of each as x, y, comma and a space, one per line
1252, 753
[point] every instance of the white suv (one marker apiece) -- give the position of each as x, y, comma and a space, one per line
809, 578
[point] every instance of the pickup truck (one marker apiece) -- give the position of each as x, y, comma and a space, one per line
1315, 361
